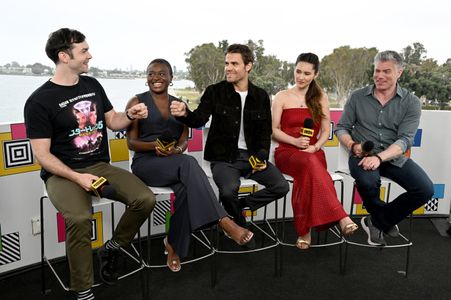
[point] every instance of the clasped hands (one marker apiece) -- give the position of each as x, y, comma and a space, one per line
166, 152
303, 143
368, 163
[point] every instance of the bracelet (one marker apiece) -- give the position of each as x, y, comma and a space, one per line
179, 149
380, 159
128, 117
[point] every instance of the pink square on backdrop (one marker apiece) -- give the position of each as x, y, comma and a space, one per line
172, 199
61, 227
357, 197
335, 115
195, 143
18, 131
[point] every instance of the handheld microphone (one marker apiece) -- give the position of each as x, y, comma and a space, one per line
258, 160
102, 189
165, 141
367, 148
307, 130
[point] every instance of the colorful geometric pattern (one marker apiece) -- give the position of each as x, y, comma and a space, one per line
433, 204
16, 155
10, 251
121, 134
333, 140
97, 229
159, 212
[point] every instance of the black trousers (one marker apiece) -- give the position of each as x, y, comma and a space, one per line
227, 178
195, 205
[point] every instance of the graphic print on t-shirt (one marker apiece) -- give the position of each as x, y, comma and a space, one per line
88, 136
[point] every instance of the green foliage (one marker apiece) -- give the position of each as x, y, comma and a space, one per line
37, 69
205, 65
96, 72
269, 73
341, 72
413, 55
425, 77
345, 70
206, 62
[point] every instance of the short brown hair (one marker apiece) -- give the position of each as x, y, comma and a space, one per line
246, 53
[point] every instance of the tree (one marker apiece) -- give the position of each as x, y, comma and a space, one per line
413, 55
96, 72
269, 72
345, 70
37, 68
205, 65
424, 77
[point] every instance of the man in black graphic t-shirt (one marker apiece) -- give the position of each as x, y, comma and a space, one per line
66, 120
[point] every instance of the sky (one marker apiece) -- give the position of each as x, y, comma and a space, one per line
129, 34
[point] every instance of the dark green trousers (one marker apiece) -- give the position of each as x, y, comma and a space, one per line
75, 205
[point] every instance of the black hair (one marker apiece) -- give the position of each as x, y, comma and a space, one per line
62, 40
163, 62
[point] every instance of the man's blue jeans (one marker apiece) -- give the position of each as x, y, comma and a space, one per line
411, 177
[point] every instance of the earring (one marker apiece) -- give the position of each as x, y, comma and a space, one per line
171, 83
146, 84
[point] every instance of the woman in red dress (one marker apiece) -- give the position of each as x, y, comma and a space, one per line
314, 199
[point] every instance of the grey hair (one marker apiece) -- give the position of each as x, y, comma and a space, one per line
389, 55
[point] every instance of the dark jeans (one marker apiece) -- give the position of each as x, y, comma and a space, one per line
227, 178
411, 177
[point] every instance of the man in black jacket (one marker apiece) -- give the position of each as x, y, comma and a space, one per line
240, 128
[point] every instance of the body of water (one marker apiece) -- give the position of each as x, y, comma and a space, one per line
15, 90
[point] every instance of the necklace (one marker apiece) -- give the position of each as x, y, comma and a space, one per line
299, 99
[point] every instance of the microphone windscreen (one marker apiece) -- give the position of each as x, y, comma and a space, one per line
367, 146
261, 154
108, 191
308, 123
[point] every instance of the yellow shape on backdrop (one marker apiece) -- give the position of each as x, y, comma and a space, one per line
332, 143
249, 213
419, 211
97, 230
359, 210
362, 211
247, 190
118, 150
6, 137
